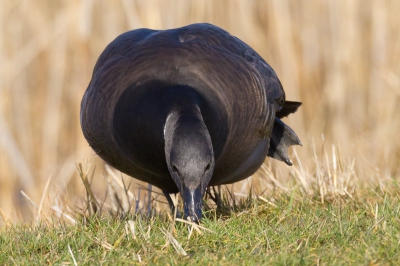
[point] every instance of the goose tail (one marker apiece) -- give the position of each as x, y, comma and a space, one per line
281, 138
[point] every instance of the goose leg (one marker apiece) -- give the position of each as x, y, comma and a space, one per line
171, 204
217, 198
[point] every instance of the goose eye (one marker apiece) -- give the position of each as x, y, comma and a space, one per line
174, 169
208, 167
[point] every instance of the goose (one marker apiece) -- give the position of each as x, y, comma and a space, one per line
186, 108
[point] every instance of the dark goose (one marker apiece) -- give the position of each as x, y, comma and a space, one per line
185, 108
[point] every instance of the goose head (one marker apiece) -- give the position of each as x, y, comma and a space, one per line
189, 154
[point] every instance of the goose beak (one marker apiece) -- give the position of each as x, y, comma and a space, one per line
192, 200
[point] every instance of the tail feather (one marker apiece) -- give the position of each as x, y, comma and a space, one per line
288, 108
281, 138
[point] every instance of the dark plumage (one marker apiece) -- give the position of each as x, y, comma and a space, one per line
184, 109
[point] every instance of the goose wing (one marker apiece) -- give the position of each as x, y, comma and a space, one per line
281, 135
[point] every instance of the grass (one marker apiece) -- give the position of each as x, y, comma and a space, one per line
323, 217
337, 205
340, 58
293, 230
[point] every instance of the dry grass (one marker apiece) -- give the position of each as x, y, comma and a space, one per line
340, 58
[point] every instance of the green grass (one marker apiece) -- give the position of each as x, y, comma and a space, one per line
292, 230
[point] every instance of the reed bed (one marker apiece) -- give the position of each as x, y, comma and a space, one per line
340, 58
